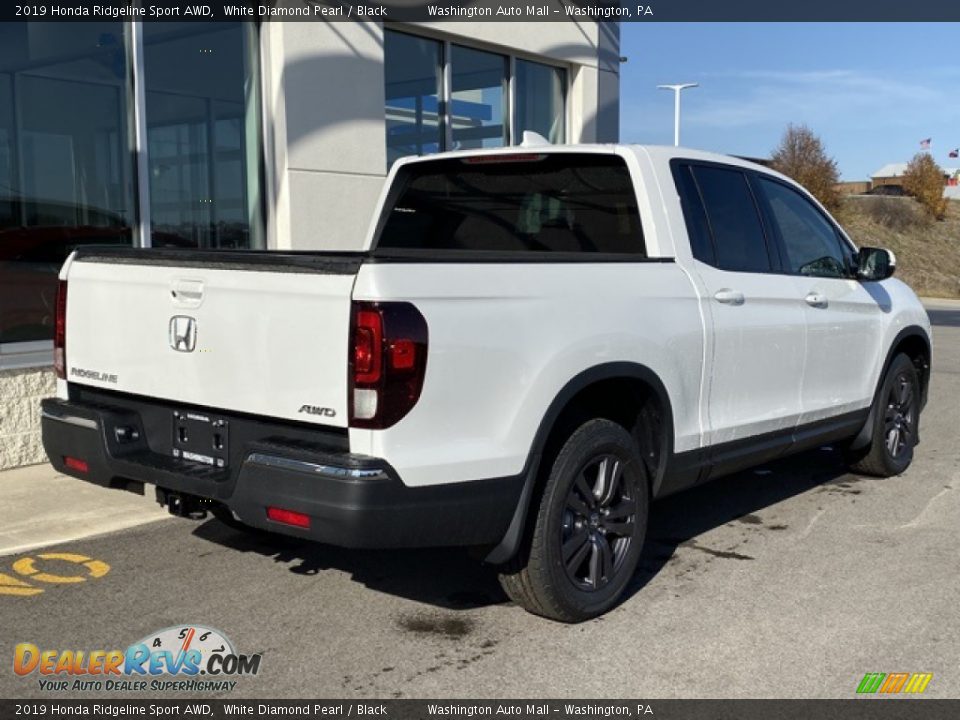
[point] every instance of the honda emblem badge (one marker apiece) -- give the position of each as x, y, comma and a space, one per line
183, 333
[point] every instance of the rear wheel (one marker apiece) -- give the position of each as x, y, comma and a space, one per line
589, 528
896, 416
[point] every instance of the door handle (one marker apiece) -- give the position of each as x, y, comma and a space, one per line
816, 300
187, 293
728, 297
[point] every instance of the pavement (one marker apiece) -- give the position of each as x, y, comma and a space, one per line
791, 580
943, 311
41, 507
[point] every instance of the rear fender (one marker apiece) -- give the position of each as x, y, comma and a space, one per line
531, 474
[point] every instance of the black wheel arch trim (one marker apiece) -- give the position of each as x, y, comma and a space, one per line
865, 435
512, 539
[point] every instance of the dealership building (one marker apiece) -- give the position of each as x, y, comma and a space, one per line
269, 135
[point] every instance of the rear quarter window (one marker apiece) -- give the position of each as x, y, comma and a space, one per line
539, 203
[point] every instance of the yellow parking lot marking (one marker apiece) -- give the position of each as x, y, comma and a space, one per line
27, 567
12, 586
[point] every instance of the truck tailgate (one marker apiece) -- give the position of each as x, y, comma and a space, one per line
243, 333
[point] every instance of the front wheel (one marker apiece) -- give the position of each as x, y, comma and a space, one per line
896, 418
589, 528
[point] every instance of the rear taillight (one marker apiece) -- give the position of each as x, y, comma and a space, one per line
367, 343
60, 332
387, 363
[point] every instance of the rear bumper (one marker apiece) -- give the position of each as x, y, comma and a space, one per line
352, 500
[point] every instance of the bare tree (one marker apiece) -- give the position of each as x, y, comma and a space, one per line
923, 180
801, 156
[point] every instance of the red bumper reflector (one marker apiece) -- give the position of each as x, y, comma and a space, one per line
76, 464
288, 517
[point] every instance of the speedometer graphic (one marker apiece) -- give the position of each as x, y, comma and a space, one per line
194, 642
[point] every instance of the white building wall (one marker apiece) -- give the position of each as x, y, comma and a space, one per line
324, 92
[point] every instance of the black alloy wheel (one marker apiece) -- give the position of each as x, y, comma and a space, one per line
587, 532
598, 523
899, 420
894, 431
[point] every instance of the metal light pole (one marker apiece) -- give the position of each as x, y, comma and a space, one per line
676, 107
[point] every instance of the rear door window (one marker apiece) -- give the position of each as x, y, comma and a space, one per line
734, 220
698, 228
539, 203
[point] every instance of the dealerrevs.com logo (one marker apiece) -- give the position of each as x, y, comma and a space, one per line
190, 658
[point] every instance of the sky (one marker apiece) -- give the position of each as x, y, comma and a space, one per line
870, 91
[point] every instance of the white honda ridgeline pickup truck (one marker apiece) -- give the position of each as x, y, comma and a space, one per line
535, 344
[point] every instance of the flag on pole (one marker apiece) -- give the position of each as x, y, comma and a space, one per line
925, 144
955, 153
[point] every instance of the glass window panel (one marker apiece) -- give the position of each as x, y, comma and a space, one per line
66, 170
698, 229
8, 182
734, 221
413, 87
811, 242
478, 100
552, 203
203, 135
540, 99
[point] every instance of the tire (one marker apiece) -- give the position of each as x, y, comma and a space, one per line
589, 528
896, 417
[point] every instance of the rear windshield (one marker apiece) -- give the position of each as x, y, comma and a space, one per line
538, 203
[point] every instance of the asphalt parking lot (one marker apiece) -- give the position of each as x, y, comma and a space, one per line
792, 580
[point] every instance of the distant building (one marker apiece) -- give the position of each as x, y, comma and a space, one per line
854, 187
888, 180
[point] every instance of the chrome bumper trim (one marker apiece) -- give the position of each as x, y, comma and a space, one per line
71, 420
330, 471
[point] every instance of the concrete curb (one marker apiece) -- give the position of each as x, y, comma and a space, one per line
947, 303
40, 507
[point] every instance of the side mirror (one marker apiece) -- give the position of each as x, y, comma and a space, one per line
874, 264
